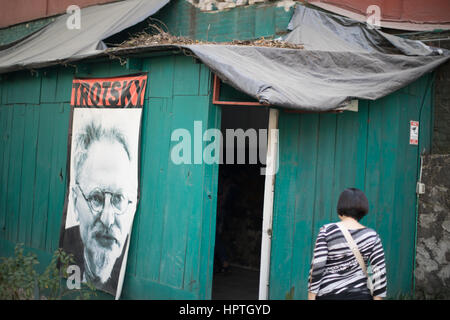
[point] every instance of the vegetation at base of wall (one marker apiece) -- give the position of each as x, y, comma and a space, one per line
20, 281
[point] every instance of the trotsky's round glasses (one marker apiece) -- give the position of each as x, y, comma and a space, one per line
97, 197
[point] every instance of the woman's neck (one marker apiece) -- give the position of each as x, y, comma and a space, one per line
350, 223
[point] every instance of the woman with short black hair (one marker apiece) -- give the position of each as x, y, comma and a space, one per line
335, 272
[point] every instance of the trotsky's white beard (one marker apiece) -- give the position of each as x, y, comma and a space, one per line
101, 264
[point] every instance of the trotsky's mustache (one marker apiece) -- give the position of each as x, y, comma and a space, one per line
109, 234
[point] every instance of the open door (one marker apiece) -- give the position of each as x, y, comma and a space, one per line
240, 203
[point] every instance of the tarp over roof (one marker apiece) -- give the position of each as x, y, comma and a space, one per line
342, 60
56, 42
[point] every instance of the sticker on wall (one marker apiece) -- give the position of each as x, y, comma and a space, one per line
414, 132
103, 170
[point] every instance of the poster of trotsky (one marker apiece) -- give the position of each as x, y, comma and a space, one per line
103, 173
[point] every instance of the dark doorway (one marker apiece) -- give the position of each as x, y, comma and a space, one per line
239, 209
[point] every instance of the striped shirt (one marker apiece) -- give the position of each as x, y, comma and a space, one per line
334, 268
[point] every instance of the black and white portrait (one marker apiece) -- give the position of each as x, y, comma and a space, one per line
103, 192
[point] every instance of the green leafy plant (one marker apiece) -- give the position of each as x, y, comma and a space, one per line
20, 281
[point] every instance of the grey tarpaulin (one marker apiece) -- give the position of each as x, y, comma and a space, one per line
342, 60
312, 80
55, 42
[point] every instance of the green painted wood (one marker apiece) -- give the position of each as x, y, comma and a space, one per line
283, 229
43, 175
369, 150
303, 217
326, 144
204, 81
49, 85
186, 76
23, 87
265, 21
154, 168
15, 173
247, 22
176, 213
7, 115
160, 76
197, 183
141, 289
58, 175
204, 271
28, 174
64, 84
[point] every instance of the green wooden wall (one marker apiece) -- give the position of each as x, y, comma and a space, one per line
172, 242
240, 23
322, 154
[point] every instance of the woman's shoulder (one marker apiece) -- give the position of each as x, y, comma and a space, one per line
370, 231
329, 227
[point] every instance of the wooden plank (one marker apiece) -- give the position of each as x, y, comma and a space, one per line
28, 173
284, 211
201, 195
413, 107
406, 199
15, 173
324, 184
3, 130
186, 76
265, 22
380, 172
135, 288
146, 213
154, 167
57, 187
204, 273
205, 81
374, 146
244, 24
43, 172
390, 110
160, 77
49, 85
132, 261
304, 238
64, 84
6, 141
180, 204
361, 149
24, 88
4, 87
351, 147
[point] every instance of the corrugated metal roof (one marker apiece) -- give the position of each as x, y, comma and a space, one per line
414, 15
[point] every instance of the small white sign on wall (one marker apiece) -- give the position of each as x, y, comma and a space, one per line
414, 132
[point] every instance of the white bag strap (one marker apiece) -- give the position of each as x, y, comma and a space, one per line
354, 248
